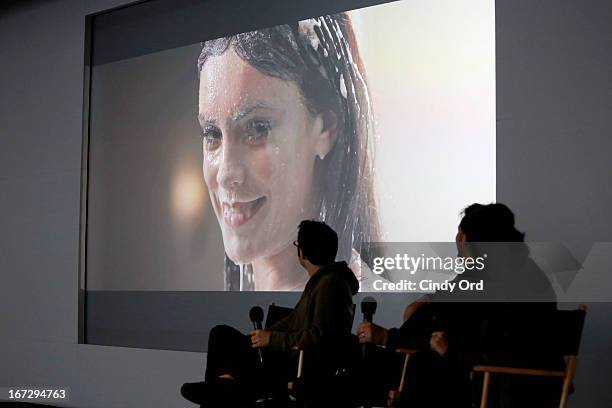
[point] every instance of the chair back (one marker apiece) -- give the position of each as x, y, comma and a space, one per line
569, 325
276, 313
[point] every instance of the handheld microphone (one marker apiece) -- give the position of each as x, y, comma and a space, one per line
368, 308
256, 314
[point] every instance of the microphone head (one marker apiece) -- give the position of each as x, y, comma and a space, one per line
368, 306
256, 314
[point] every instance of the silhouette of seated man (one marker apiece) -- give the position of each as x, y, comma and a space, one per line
452, 332
321, 321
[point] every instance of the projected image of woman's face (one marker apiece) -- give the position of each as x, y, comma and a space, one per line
259, 146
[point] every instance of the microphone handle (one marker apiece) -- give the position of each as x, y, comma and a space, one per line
367, 318
257, 326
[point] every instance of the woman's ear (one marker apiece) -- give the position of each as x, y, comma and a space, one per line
327, 133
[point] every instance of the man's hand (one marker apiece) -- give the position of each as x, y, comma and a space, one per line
372, 333
260, 338
438, 342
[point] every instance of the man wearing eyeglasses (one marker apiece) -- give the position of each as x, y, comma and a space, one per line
320, 324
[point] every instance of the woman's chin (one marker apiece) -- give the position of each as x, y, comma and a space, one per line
255, 241
241, 252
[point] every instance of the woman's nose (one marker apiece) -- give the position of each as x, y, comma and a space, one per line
231, 173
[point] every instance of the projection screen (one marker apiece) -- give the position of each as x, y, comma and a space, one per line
203, 158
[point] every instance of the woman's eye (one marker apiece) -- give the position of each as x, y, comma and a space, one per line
211, 137
258, 131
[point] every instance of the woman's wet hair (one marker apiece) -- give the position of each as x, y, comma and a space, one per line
320, 55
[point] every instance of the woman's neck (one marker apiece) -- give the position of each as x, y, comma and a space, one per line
281, 271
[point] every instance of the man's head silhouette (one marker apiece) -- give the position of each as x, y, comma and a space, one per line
317, 244
486, 223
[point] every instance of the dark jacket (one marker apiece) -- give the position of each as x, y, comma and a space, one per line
324, 314
462, 323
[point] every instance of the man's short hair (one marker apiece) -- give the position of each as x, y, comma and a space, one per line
490, 223
318, 242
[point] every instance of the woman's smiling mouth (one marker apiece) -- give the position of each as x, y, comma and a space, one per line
238, 213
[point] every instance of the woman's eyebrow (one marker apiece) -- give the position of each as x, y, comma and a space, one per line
249, 109
205, 120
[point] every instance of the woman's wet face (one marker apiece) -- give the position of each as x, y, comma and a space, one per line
259, 147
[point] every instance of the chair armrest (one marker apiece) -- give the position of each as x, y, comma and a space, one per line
405, 351
518, 371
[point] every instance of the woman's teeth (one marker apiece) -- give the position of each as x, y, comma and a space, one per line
238, 213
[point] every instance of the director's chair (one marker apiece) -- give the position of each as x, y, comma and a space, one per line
569, 325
